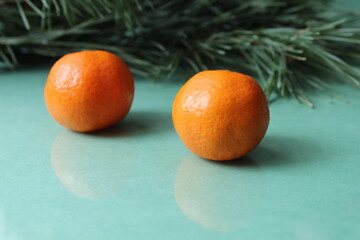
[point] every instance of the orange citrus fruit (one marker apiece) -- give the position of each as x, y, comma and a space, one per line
221, 115
89, 90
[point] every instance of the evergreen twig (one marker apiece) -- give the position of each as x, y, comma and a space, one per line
289, 45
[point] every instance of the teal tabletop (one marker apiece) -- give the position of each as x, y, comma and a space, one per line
138, 181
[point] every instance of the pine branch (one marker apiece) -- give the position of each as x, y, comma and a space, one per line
288, 45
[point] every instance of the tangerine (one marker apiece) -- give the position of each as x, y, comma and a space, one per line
221, 115
89, 90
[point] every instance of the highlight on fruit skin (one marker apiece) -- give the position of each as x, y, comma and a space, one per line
221, 115
89, 90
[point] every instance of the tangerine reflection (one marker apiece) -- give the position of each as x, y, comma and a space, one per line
92, 166
218, 195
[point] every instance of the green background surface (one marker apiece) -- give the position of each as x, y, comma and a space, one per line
138, 181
